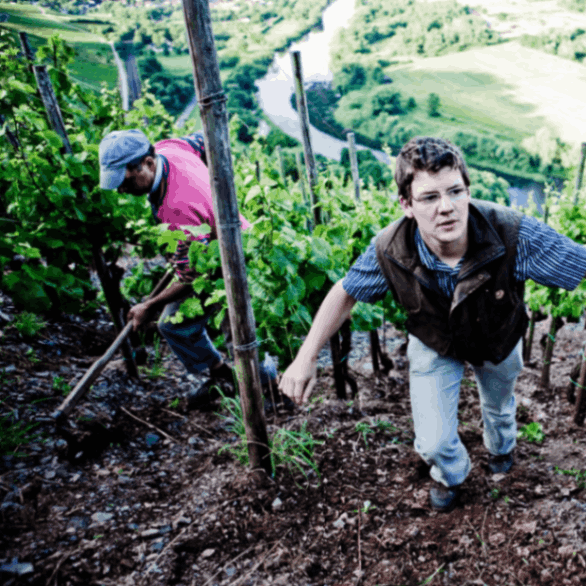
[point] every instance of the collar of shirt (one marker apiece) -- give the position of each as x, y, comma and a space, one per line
431, 261
161, 173
158, 175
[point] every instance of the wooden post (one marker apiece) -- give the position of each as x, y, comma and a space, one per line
529, 339
299, 164
304, 123
9, 135
354, 165
580, 407
112, 293
26, 47
281, 165
134, 89
212, 103
51, 105
303, 113
580, 174
548, 354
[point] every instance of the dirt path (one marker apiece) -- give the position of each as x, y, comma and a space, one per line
133, 489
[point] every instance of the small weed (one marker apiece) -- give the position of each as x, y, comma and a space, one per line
5, 378
579, 475
30, 354
468, 383
174, 403
60, 385
28, 324
14, 433
364, 428
292, 449
383, 425
507, 500
98, 536
532, 432
367, 507
495, 493
157, 369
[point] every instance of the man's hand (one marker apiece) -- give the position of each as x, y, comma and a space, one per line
139, 314
299, 379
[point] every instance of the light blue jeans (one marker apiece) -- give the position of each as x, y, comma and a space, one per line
435, 389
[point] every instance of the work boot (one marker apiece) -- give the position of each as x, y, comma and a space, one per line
500, 464
221, 379
443, 498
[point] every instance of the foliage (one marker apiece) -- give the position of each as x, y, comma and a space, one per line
532, 432
569, 45
14, 433
28, 324
61, 385
292, 449
53, 212
408, 27
156, 370
433, 105
579, 475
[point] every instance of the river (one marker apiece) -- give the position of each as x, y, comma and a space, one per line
276, 88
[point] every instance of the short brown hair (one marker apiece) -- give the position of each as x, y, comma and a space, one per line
425, 153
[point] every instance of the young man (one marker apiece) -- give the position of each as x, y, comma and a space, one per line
174, 174
458, 267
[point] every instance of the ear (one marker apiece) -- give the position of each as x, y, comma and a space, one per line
151, 163
406, 207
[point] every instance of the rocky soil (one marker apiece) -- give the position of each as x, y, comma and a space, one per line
134, 489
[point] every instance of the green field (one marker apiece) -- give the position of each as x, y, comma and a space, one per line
94, 62
477, 101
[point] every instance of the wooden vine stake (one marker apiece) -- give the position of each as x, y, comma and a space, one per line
212, 102
580, 407
580, 174
282, 165
354, 165
339, 358
109, 283
306, 138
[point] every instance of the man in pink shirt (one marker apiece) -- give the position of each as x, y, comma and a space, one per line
174, 174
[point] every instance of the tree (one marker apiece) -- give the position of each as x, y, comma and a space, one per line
433, 105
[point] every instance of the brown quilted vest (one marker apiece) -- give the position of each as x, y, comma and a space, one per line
486, 316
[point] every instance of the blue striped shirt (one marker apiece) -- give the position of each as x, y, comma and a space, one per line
543, 255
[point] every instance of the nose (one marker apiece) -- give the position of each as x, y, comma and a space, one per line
446, 204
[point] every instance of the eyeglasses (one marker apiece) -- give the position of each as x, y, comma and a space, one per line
434, 198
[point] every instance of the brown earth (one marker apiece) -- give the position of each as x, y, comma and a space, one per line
133, 489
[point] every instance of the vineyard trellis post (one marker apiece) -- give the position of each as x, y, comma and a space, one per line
580, 173
580, 406
281, 165
110, 284
26, 48
303, 113
299, 164
212, 103
339, 357
51, 105
354, 165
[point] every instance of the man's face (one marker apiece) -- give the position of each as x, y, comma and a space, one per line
139, 181
439, 205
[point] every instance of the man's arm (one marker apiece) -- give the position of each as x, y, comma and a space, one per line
299, 379
142, 311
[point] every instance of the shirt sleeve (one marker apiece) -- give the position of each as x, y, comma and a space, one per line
365, 281
180, 262
547, 257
